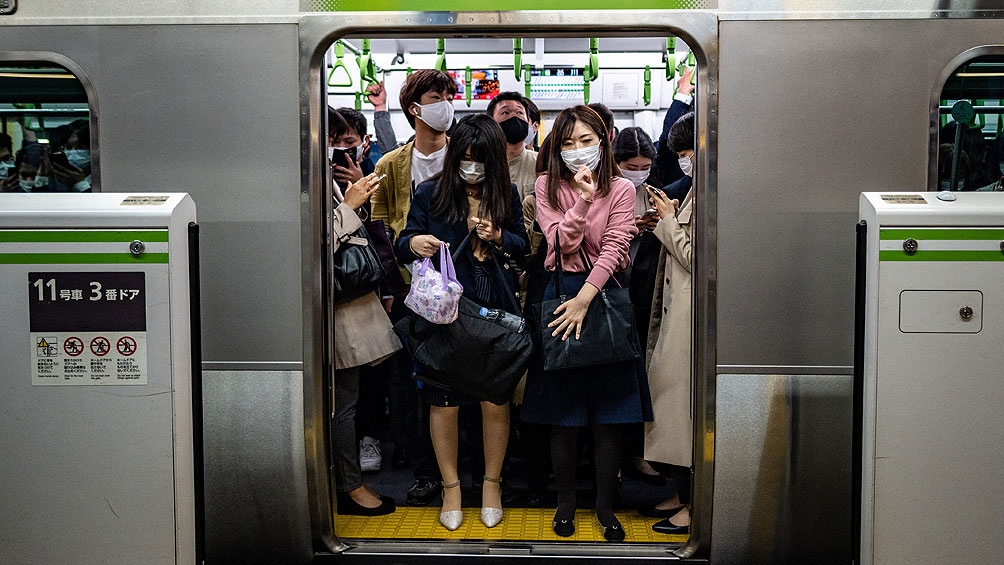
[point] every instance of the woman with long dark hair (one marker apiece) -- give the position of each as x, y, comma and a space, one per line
592, 210
472, 193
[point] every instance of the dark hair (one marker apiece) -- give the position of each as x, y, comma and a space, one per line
605, 114
543, 156
351, 119
420, 82
681, 134
63, 133
562, 130
507, 95
480, 134
6, 142
633, 142
532, 111
30, 154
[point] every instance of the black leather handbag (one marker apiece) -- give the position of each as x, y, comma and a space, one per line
393, 282
355, 267
608, 333
472, 354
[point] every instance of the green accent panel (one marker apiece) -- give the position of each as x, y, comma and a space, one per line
79, 258
499, 5
961, 256
968, 235
81, 236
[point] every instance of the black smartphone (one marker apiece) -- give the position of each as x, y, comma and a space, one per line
343, 157
59, 158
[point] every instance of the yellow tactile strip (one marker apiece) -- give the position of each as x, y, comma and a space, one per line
518, 524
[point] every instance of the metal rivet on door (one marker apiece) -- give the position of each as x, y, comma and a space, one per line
966, 313
910, 246
137, 247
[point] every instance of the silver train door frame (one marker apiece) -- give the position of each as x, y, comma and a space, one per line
317, 32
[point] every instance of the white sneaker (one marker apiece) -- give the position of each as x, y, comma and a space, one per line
369, 455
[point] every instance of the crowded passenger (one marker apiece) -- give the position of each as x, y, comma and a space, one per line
473, 193
510, 110
70, 158
667, 168
593, 211
669, 438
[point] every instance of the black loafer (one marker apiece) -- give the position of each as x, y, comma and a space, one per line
563, 528
613, 533
667, 527
423, 492
653, 512
347, 506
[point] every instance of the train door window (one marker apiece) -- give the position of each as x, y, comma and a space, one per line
970, 152
386, 450
45, 130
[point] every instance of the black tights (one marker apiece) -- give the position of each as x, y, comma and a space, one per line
608, 440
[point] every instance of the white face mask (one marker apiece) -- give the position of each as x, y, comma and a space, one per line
687, 166
331, 152
5, 168
472, 172
533, 134
636, 177
588, 156
41, 181
438, 115
26, 185
79, 158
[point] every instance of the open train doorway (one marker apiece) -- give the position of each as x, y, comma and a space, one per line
355, 117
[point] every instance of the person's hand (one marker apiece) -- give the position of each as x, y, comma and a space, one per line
347, 175
572, 312
68, 176
486, 230
10, 184
664, 207
359, 192
646, 222
388, 304
377, 96
584, 183
683, 85
424, 245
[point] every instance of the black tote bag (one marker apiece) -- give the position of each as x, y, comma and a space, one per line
355, 267
472, 354
608, 335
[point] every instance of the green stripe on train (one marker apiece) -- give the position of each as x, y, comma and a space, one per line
82, 236
943, 234
898, 255
79, 258
498, 5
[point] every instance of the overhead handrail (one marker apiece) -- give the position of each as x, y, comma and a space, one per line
647, 96
441, 55
585, 85
594, 61
526, 80
670, 58
339, 64
981, 118
517, 54
468, 87
367, 69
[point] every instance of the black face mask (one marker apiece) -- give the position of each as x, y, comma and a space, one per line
515, 130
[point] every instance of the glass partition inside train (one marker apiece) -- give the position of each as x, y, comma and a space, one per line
45, 137
970, 142
641, 86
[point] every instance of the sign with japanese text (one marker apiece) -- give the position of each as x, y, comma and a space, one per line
87, 328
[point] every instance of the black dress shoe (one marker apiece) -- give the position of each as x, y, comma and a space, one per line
613, 533
423, 491
347, 506
563, 528
667, 527
653, 512
400, 458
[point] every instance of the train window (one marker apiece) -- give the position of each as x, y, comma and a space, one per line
970, 152
45, 134
637, 85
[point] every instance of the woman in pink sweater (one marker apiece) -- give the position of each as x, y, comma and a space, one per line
592, 212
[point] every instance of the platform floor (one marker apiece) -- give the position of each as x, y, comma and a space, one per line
518, 524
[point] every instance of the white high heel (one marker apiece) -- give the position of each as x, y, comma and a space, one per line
451, 519
490, 517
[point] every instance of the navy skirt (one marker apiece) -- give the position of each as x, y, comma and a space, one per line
609, 394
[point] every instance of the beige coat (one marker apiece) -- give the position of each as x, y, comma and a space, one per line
669, 439
363, 332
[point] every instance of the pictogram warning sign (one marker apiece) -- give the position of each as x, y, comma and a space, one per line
126, 346
47, 347
100, 346
73, 346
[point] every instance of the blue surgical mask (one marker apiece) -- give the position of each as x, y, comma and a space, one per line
5, 168
26, 185
79, 158
41, 181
